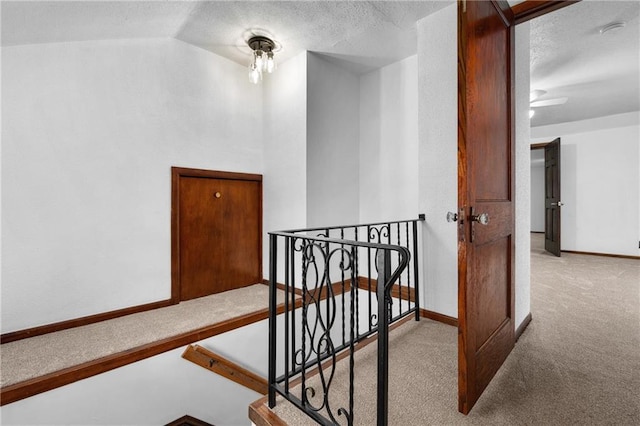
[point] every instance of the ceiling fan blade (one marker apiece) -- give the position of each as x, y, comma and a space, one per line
549, 102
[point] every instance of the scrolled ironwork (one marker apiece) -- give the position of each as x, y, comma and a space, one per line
377, 233
323, 324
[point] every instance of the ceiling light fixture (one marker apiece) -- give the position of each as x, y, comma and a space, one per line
262, 59
613, 27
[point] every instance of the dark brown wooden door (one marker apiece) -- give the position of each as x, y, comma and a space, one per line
552, 201
485, 187
219, 224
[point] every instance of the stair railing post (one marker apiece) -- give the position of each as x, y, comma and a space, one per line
383, 260
273, 275
415, 270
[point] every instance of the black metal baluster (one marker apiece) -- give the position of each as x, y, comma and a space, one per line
327, 282
354, 292
286, 314
342, 274
415, 269
356, 282
388, 242
292, 253
273, 266
406, 231
400, 277
303, 360
384, 273
369, 274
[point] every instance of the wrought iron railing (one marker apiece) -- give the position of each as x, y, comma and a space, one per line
333, 279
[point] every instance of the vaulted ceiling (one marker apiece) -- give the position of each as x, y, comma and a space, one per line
599, 74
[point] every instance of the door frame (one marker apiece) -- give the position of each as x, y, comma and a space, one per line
176, 174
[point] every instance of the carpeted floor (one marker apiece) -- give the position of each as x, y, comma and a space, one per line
578, 362
40, 355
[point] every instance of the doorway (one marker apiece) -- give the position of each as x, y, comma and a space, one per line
216, 232
547, 201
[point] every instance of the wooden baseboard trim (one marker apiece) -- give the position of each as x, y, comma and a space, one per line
398, 291
589, 253
226, 368
79, 322
282, 287
523, 326
435, 316
69, 375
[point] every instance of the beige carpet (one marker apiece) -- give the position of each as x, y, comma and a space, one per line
40, 355
578, 363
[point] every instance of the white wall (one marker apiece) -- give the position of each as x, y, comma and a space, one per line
90, 131
437, 157
537, 197
523, 176
389, 142
438, 167
285, 150
600, 183
333, 133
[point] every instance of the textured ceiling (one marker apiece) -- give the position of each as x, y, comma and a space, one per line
569, 58
364, 35
598, 73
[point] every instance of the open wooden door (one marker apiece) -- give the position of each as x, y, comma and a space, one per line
485, 195
552, 201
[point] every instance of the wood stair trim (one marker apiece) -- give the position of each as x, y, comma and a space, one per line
226, 368
261, 415
82, 321
69, 375
188, 421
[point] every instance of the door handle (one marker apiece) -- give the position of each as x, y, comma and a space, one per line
482, 219
559, 204
452, 217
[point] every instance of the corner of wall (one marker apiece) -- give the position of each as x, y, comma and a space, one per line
523, 175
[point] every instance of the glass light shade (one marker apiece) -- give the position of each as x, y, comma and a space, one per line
254, 73
270, 63
259, 59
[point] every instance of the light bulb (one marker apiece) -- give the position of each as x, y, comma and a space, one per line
270, 64
254, 74
259, 60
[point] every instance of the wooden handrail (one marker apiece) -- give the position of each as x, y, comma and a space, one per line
222, 366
